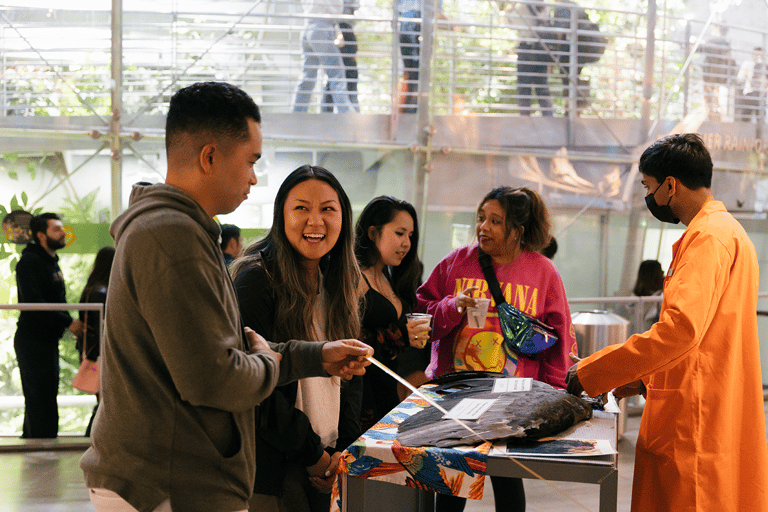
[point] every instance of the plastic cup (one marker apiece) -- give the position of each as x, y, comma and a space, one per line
476, 315
419, 317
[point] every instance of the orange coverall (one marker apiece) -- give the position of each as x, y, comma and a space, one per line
702, 442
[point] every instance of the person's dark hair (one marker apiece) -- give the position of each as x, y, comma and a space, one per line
551, 249
404, 277
295, 295
212, 109
682, 156
523, 208
39, 224
102, 268
228, 232
650, 278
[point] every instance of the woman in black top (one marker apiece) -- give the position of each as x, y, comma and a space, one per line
386, 237
300, 282
95, 291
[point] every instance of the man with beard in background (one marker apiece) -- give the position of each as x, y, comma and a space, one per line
39, 279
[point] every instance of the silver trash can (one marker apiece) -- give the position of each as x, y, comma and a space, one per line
597, 329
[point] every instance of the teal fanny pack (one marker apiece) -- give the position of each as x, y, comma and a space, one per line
522, 333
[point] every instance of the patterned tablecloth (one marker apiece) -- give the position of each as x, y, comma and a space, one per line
379, 456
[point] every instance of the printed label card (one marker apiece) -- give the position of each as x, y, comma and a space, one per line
512, 384
470, 408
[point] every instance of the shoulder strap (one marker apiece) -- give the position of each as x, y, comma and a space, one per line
85, 328
486, 264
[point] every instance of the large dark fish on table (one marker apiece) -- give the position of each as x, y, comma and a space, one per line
526, 415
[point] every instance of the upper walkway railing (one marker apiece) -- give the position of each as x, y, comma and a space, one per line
56, 62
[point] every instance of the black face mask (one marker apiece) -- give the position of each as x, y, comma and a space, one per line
662, 212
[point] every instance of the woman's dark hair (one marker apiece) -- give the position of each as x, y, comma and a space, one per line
650, 278
102, 268
295, 294
523, 208
377, 213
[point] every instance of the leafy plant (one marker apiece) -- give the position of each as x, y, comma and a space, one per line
85, 210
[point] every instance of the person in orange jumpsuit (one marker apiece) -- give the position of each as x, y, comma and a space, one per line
702, 443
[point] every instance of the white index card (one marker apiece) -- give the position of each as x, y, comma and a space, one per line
470, 408
512, 384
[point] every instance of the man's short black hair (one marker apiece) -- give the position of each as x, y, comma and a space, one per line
217, 109
39, 224
228, 232
682, 156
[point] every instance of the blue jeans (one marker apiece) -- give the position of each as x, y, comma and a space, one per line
320, 52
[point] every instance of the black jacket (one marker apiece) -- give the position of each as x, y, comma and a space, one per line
284, 433
39, 279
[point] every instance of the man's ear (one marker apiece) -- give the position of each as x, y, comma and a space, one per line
206, 157
672, 185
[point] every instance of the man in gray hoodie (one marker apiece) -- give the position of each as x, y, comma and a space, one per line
180, 376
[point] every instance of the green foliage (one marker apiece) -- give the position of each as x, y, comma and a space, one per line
10, 160
84, 211
59, 90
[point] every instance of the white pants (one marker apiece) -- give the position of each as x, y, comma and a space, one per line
105, 500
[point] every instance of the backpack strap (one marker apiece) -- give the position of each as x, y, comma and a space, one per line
486, 264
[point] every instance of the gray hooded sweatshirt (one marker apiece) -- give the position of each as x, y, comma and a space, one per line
178, 386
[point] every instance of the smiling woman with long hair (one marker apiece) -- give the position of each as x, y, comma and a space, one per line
300, 282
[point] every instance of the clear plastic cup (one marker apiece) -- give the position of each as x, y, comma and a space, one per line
476, 315
419, 317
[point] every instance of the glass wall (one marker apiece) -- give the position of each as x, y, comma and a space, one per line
75, 134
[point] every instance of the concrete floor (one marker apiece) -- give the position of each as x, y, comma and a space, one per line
50, 480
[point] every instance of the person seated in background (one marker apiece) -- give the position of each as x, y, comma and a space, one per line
231, 242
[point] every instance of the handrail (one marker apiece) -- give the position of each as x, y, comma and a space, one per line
55, 306
475, 80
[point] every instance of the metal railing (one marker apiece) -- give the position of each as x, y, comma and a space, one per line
57, 63
17, 402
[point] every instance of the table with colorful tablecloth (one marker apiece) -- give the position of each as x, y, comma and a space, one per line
378, 457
